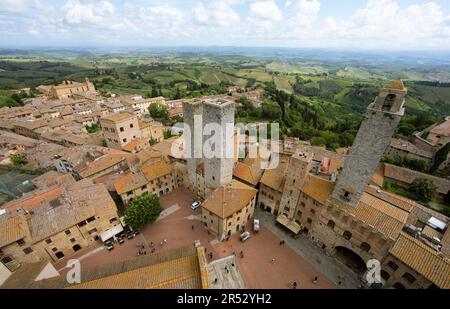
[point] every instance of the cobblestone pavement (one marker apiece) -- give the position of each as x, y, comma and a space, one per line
330, 267
181, 227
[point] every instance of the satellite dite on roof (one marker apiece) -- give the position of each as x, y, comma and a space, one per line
436, 224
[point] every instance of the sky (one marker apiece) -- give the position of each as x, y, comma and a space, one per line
349, 24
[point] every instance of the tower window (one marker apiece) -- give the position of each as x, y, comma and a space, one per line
389, 102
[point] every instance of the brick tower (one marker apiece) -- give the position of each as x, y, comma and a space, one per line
379, 124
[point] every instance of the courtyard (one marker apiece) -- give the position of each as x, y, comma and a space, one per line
265, 263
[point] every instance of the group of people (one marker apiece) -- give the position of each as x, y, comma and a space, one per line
143, 251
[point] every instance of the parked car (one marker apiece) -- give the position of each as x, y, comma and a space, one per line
120, 240
136, 232
130, 235
109, 245
256, 225
196, 205
245, 236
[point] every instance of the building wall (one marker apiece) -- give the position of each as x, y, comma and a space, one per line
195, 139
118, 134
231, 225
269, 199
83, 234
159, 187
393, 272
333, 236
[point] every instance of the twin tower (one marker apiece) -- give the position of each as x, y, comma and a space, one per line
199, 117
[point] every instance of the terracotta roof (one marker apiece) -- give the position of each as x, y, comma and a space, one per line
101, 164
249, 171
34, 199
407, 176
133, 144
129, 183
318, 188
431, 233
381, 216
442, 129
396, 84
157, 170
229, 199
117, 117
275, 178
377, 177
410, 148
393, 199
423, 259
11, 229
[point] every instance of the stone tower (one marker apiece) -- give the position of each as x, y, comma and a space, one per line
194, 140
219, 170
296, 173
379, 124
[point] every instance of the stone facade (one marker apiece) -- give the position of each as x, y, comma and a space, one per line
120, 129
69, 88
379, 124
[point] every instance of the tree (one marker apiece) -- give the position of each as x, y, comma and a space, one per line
447, 198
18, 160
154, 91
143, 210
158, 111
423, 189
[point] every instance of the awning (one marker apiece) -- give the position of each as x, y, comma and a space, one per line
111, 233
290, 224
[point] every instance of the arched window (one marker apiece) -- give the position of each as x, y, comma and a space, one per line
392, 265
389, 101
408, 277
365, 247
331, 224
347, 235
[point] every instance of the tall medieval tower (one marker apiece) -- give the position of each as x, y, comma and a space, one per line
379, 124
296, 174
219, 170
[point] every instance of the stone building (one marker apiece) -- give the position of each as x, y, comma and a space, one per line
120, 129
157, 178
140, 105
69, 88
374, 136
54, 222
229, 209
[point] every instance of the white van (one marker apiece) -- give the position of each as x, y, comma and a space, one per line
196, 205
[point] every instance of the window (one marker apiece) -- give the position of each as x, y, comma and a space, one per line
331, 224
59, 255
54, 249
124, 140
385, 275
27, 250
72, 240
313, 211
299, 214
408, 277
303, 204
67, 232
6, 260
309, 220
347, 235
76, 248
90, 219
82, 223
389, 102
48, 241
113, 220
392, 265
365, 247
131, 125
21, 242
122, 129
94, 230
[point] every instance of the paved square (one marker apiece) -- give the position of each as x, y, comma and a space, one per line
180, 226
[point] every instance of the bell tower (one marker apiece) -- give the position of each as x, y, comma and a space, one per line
380, 122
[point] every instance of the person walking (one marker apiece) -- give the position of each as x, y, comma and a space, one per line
315, 280
273, 261
294, 285
192, 227
242, 254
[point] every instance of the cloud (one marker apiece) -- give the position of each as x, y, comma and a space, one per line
14, 6
385, 22
265, 11
305, 12
216, 13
